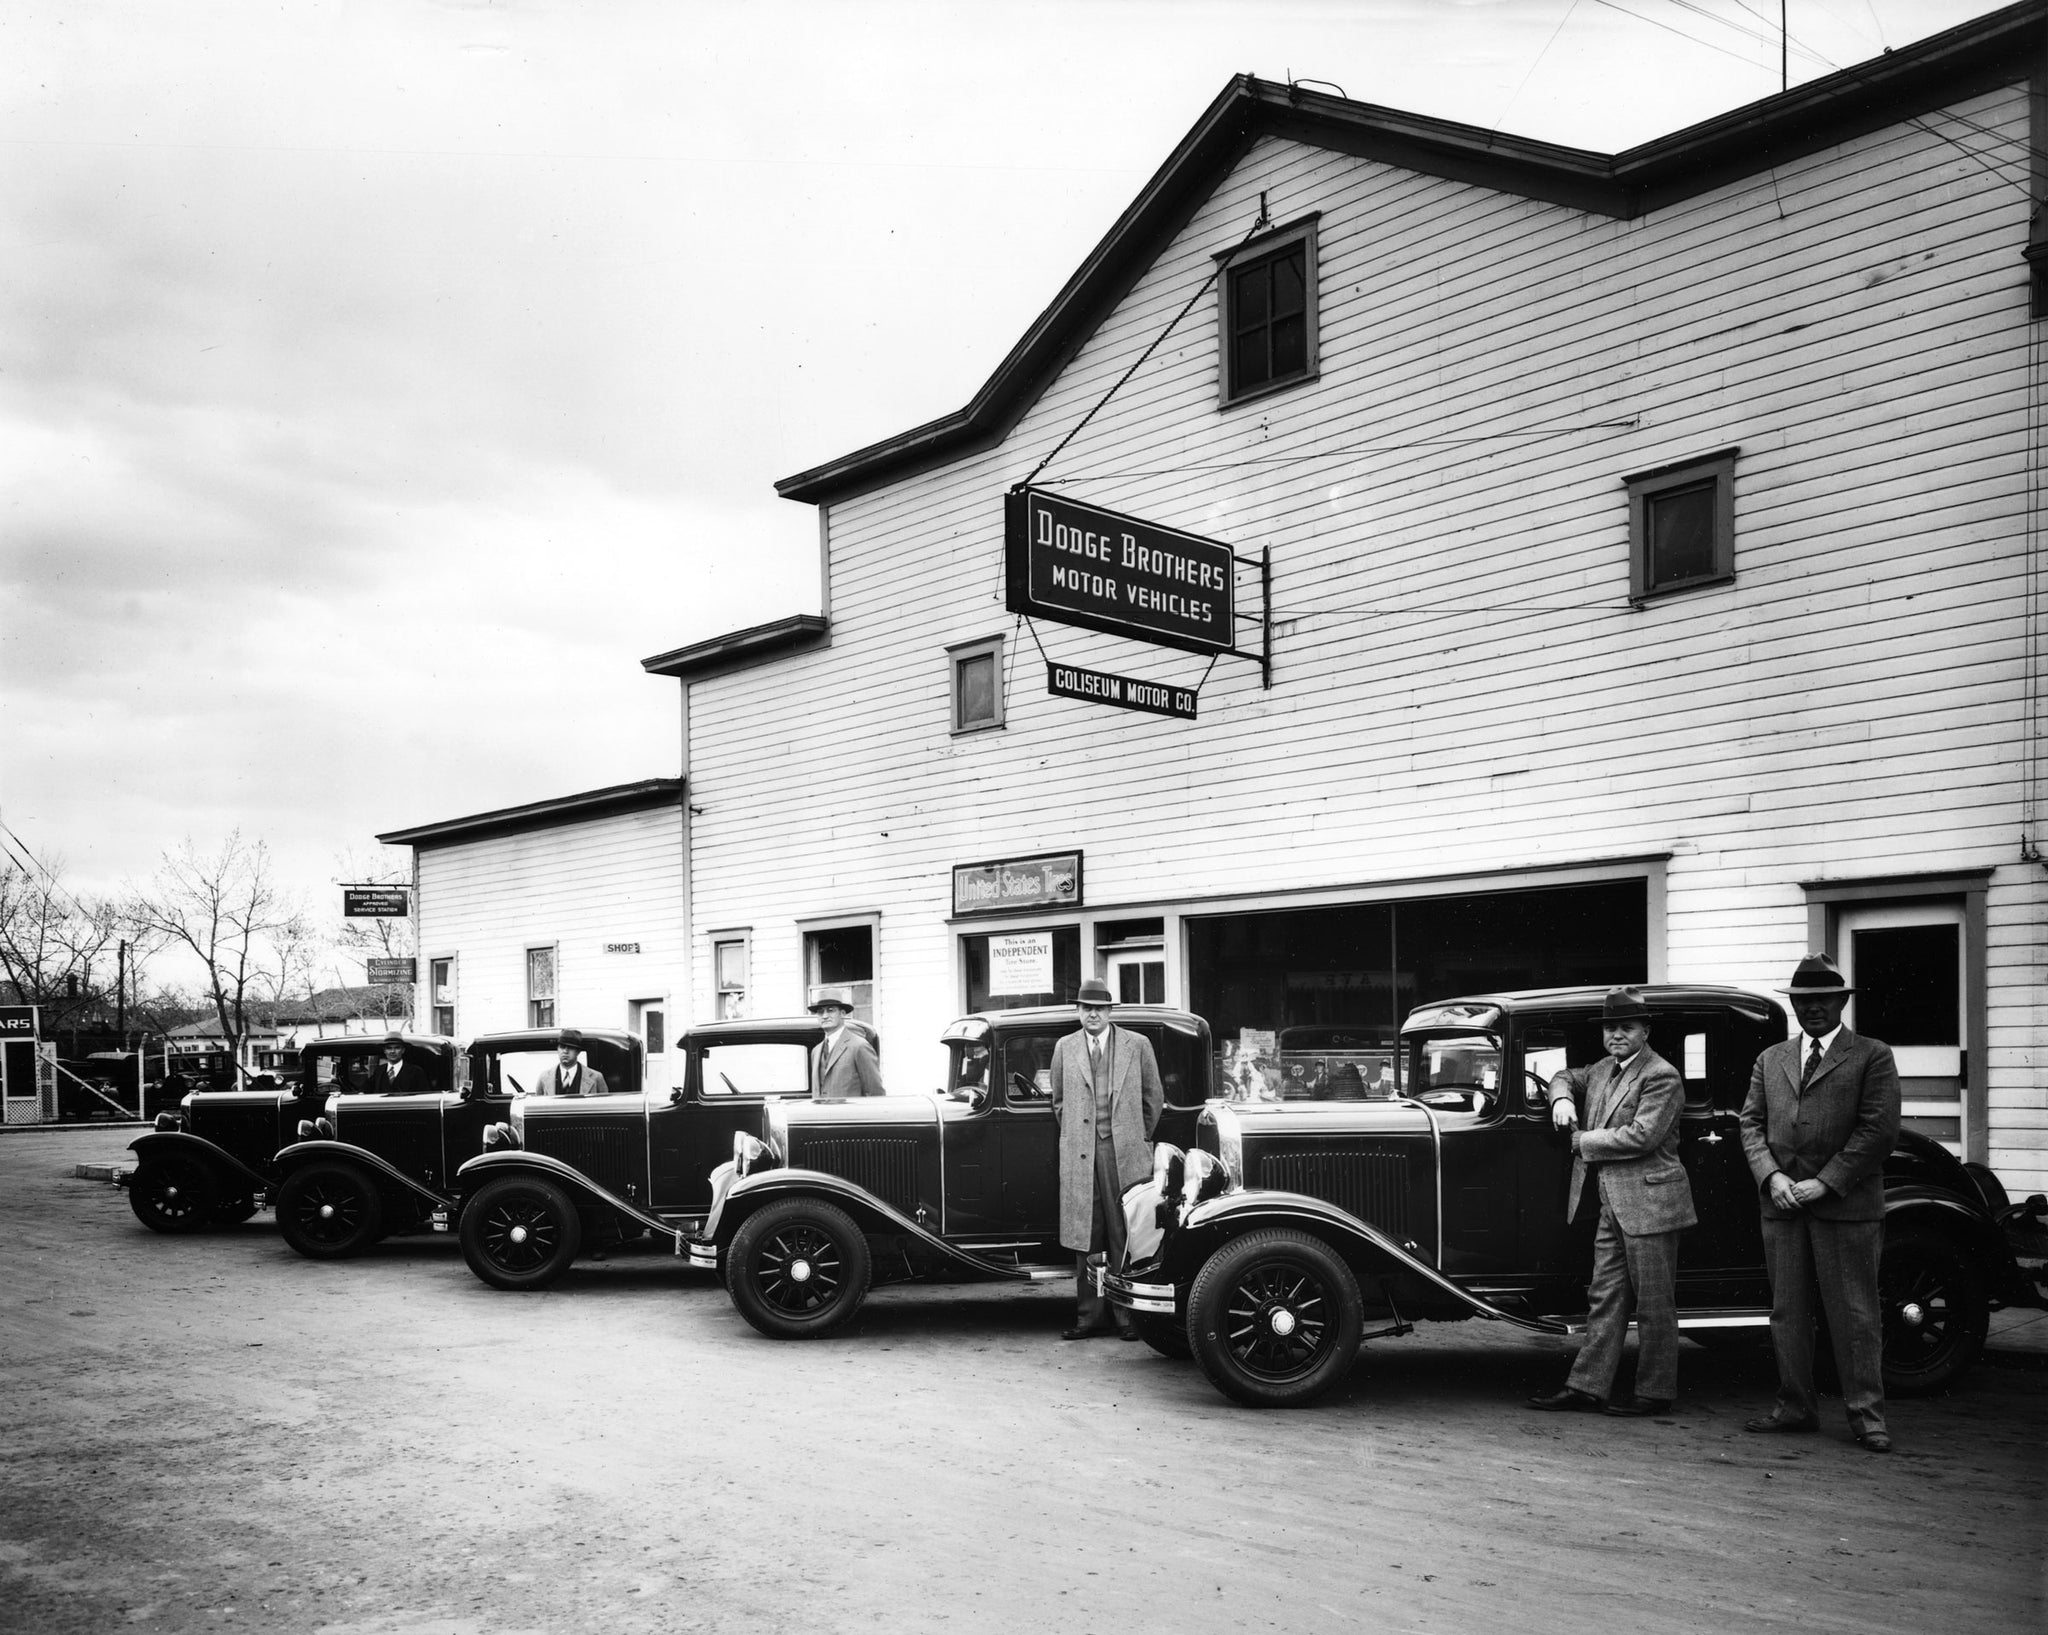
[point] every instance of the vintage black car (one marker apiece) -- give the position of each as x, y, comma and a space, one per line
1289, 1225
374, 1165
563, 1173
216, 1160
964, 1184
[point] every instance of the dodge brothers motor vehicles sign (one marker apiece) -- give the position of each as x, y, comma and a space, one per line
1081, 565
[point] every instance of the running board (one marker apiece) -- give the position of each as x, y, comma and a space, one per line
1690, 1322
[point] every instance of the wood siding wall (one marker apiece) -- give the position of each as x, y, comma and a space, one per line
1460, 685
577, 886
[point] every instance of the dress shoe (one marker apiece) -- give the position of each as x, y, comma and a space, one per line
1571, 1400
1875, 1442
1778, 1422
1089, 1331
1640, 1407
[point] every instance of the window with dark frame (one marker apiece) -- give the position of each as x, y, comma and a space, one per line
540, 987
729, 962
1682, 526
975, 670
441, 982
1268, 317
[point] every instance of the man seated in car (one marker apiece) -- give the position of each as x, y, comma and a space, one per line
570, 1076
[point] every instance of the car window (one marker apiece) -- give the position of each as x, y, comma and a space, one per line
1465, 1061
1027, 1064
780, 1068
967, 1062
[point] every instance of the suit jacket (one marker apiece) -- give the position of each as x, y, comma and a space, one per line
1136, 1098
409, 1080
1628, 1126
850, 1070
1837, 1130
589, 1082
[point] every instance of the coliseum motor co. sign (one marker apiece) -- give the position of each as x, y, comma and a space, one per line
1081, 565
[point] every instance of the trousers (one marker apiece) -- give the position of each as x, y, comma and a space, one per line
1633, 1275
1093, 1308
1827, 1266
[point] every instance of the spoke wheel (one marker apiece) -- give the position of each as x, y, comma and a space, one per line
1274, 1319
798, 1269
521, 1232
1934, 1307
174, 1194
328, 1211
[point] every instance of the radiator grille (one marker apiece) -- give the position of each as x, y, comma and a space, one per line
606, 1153
886, 1167
1371, 1185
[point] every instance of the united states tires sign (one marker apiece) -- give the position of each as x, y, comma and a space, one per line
1081, 565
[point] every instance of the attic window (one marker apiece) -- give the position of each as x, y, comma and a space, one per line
1268, 316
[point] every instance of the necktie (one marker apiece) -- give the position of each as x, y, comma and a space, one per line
1812, 1065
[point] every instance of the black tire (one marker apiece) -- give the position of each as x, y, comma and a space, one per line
798, 1268
174, 1194
235, 1210
329, 1211
1162, 1334
1274, 1319
521, 1232
1935, 1308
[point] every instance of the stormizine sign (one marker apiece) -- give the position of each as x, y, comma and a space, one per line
1081, 565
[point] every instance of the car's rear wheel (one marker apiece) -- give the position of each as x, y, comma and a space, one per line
798, 1268
1162, 1334
521, 1232
328, 1211
1935, 1309
1275, 1319
173, 1194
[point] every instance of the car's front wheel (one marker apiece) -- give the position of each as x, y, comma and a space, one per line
1275, 1319
520, 1233
798, 1268
174, 1194
328, 1211
1935, 1310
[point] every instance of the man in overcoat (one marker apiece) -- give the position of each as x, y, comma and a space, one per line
1106, 1099
846, 1063
570, 1075
1821, 1114
1628, 1144
395, 1075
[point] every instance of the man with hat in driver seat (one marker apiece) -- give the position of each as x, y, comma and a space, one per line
395, 1075
1629, 1141
1106, 1100
570, 1075
1821, 1114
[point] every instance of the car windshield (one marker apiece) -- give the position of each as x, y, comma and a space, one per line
1453, 1061
777, 1068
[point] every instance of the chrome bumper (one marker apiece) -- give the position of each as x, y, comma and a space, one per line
1154, 1297
704, 1256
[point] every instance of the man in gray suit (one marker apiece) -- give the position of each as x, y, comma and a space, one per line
569, 1076
1821, 1114
1106, 1099
1629, 1142
846, 1064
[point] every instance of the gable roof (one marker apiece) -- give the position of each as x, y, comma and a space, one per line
2000, 48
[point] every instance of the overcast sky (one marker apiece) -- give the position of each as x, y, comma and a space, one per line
380, 382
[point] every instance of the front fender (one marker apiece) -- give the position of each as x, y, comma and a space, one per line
2009, 1286
1212, 1223
490, 1166
750, 1192
162, 1142
301, 1153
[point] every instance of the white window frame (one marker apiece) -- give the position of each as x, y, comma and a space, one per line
554, 999
743, 938
434, 1005
806, 929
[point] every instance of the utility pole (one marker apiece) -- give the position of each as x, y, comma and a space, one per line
1784, 46
121, 992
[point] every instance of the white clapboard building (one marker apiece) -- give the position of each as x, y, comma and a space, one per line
1654, 545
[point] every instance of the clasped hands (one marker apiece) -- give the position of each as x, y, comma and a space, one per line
1787, 1193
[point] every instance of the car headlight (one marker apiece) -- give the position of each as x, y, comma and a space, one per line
1203, 1177
777, 1132
1229, 1142
1169, 1174
746, 1152
307, 1130
170, 1121
497, 1136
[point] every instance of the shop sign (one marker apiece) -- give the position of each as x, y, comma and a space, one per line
1081, 565
1123, 692
1020, 964
17, 1021
622, 948
375, 902
391, 970
1050, 880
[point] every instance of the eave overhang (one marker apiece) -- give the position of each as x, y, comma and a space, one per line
740, 648
611, 801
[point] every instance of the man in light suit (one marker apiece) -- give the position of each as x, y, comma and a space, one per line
1629, 1144
1821, 1114
569, 1076
1106, 1099
846, 1064
395, 1076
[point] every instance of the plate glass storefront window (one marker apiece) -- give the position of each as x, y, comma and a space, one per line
1066, 973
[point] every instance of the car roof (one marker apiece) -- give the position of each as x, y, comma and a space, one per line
1658, 995
550, 1039
979, 1024
439, 1043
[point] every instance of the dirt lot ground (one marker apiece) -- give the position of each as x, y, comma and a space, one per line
212, 1434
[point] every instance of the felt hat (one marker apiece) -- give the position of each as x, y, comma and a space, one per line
569, 1039
831, 996
1817, 975
1624, 1005
1094, 992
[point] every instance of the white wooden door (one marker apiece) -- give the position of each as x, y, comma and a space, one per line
1907, 960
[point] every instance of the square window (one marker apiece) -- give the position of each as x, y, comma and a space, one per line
540, 987
1682, 525
1268, 315
975, 681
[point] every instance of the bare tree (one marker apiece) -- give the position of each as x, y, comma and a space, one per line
56, 948
248, 934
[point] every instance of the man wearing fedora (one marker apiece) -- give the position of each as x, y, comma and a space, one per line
1106, 1099
1821, 1114
395, 1075
570, 1076
1628, 1141
846, 1064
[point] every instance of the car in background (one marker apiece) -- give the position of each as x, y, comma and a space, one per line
215, 1160
833, 1196
1286, 1227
